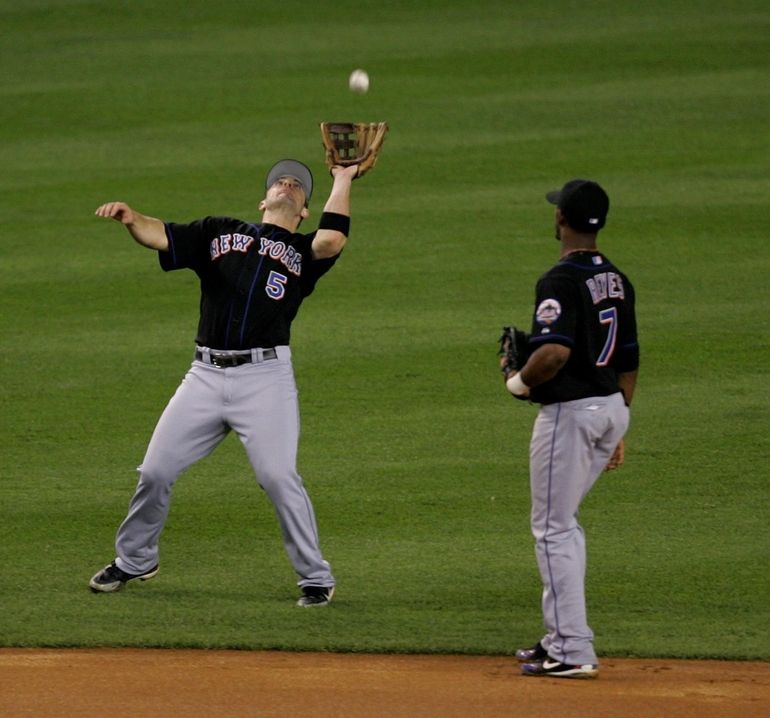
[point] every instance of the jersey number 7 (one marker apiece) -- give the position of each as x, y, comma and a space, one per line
610, 318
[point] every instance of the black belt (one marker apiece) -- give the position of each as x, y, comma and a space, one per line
230, 359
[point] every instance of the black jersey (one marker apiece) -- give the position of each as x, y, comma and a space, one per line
253, 278
585, 303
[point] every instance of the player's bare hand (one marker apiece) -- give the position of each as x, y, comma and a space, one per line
617, 458
118, 211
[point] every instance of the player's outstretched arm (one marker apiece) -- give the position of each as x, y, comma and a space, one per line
329, 242
147, 231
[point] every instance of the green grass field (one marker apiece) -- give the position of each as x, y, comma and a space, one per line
414, 456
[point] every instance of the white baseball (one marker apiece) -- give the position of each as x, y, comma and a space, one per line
359, 81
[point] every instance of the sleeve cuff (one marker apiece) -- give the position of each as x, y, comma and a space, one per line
167, 258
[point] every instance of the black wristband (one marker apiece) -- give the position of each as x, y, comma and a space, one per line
334, 221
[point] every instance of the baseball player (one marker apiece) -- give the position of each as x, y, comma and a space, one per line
582, 370
253, 278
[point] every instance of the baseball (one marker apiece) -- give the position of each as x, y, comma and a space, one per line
359, 81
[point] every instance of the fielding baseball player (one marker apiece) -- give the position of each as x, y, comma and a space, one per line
253, 278
582, 364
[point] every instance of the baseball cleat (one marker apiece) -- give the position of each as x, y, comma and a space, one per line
315, 596
111, 578
535, 654
557, 669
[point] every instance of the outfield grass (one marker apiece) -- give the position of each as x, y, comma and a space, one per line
414, 456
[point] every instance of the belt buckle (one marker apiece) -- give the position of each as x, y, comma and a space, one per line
221, 361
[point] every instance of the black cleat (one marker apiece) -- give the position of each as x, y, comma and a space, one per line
316, 596
535, 654
557, 669
111, 578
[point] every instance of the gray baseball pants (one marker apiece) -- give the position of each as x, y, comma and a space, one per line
257, 401
571, 444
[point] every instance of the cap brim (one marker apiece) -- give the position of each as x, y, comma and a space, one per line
554, 196
291, 168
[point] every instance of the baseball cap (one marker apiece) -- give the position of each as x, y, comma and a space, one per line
291, 168
583, 203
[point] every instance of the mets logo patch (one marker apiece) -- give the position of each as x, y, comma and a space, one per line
548, 311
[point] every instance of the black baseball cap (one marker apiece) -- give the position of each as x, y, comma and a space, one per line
291, 168
583, 203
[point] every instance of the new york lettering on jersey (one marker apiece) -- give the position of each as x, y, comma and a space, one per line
225, 243
268, 247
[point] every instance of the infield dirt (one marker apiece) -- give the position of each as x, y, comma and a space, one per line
150, 682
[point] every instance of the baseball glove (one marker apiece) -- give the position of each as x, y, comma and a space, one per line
353, 143
514, 349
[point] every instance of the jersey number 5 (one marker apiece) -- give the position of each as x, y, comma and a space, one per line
610, 318
275, 287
